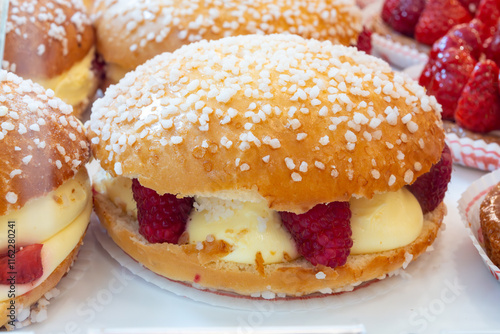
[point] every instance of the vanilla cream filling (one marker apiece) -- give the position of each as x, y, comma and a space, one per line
115, 72
249, 227
76, 84
118, 189
42, 217
55, 250
385, 222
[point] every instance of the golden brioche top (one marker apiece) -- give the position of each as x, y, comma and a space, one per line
45, 37
41, 143
131, 32
297, 122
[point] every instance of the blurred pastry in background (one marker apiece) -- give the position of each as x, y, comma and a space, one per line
131, 32
52, 43
490, 224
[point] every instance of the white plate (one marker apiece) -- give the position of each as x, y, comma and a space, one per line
224, 299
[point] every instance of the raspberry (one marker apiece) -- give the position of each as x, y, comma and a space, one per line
322, 234
403, 15
98, 66
27, 265
437, 18
479, 105
446, 76
430, 188
162, 218
365, 41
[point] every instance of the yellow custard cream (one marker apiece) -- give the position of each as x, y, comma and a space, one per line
57, 220
249, 227
118, 190
115, 72
43, 217
76, 84
387, 221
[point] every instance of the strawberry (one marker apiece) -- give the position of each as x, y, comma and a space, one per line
463, 36
480, 27
365, 40
470, 5
488, 13
479, 105
162, 218
445, 77
322, 234
25, 267
427, 74
430, 188
437, 18
492, 46
402, 15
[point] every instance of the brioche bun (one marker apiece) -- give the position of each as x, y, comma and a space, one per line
42, 147
279, 118
131, 32
490, 224
152, 127
47, 38
296, 278
30, 299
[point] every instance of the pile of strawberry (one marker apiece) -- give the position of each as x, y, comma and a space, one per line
463, 71
429, 20
322, 234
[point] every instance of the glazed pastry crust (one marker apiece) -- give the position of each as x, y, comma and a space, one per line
44, 144
188, 126
131, 32
46, 38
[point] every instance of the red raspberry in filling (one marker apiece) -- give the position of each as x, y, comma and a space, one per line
162, 218
430, 188
322, 234
27, 265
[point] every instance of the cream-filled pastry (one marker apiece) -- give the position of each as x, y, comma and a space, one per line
46, 194
52, 43
131, 32
270, 165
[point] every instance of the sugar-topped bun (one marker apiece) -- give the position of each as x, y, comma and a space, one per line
45, 192
252, 125
296, 122
131, 32
48, 39
45, 37
42, 144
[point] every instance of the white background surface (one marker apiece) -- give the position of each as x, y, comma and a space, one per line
450, 291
